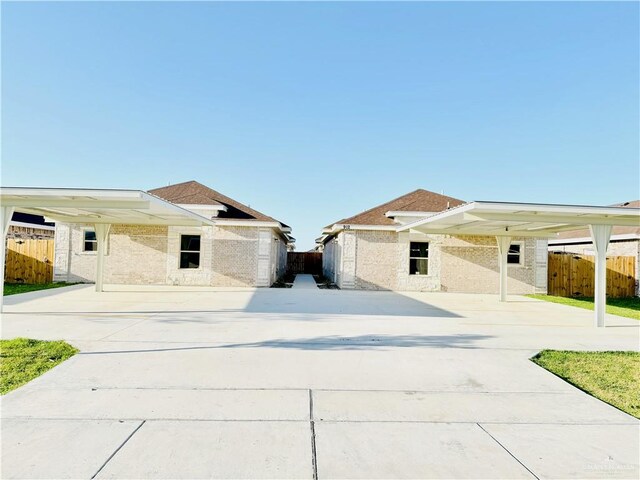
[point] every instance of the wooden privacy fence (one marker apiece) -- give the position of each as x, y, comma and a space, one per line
572, 275
29, 261
304, 262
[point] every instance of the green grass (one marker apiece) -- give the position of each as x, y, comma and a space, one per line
624, 307
23, 359
613, 377
14, 288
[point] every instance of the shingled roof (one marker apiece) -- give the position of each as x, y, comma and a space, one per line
584, 232
194, 193
417, 201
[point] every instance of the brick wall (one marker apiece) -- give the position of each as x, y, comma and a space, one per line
376, 260
235, 256
16, 231
470, 264
456, 264
149, 255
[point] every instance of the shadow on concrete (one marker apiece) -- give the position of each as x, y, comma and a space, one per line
306, 304
342, 302
335, 342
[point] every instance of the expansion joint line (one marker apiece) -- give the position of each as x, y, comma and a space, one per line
117, 449
314, 458
507, 450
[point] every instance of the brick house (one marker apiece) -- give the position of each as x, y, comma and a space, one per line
366, 251
27, 226
243, 247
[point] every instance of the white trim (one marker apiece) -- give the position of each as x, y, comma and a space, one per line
621, 237
252, 223
401, 213
84, 230
427, 258
468, 218
103, 206
31, 225
521, 262
180, 251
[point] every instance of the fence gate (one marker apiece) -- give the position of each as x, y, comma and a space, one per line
29, 260
304, 262
572, 275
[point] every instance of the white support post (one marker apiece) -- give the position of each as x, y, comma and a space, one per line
102, 234
5, 217
503, 249
600, 235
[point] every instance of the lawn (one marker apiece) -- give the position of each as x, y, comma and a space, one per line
14, 288
23, 359
613, 377
624, 307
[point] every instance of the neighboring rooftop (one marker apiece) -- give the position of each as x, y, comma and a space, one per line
30, 218
584, 232
417, 201
194, 193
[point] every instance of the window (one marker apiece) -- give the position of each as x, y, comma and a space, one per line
515, 254
418, 258
90, 242
189, 251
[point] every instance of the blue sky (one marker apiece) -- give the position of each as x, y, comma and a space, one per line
311, 112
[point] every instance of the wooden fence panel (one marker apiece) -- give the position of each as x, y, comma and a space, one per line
29, 261
572, 275
304, 262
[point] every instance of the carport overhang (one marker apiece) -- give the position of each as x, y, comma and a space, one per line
506, 220
99, 207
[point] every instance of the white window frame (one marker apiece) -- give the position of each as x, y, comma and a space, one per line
521, 255
427, 258
84, 230
181, 251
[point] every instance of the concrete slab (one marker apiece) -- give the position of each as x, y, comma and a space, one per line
210, 449
304, 281
59, 449
411, 450
289, 365
206, 367
515, 407
142, 403
573, 451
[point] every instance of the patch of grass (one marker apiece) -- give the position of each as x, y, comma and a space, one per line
23, 359
14, 288
613, 377
624, 307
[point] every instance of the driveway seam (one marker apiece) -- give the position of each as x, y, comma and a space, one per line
507, 450
298, 420
314, 456
118, 449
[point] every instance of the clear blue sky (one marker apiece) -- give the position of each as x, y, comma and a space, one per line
312, 112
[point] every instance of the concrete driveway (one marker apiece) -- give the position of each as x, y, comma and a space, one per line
288, 383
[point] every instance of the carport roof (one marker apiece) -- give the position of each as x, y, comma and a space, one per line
521, 219
103, 206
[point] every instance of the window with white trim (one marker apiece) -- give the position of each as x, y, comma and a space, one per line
189, 251
419, 258
89, 241
514, 257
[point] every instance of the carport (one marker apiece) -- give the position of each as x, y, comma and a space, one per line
507, 220
99, 207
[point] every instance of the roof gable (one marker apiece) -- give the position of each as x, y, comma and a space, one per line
194, 193
417, 201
